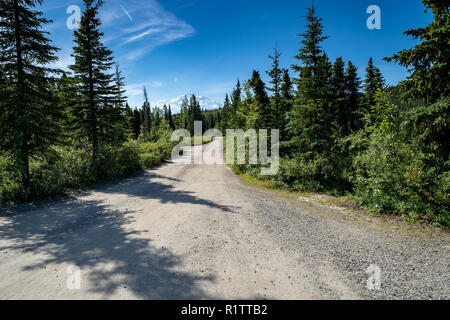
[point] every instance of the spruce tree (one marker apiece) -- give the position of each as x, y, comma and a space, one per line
276, 75
156, 115
340, 110
235, 105
184, 113
68, 97
137, 123
286, 86
146, 116
194, 113
352, 88
168, 116
373, 82
117, 128
286, 103
310, 121
226, 114
428, 61
92, 62
29, 115
261, 103
170, 119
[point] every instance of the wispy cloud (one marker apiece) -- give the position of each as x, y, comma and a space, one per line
151, 26
141, 35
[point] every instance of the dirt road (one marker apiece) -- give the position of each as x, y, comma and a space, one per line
197, 232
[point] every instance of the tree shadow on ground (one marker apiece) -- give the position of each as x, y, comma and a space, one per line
149, 185
96, 238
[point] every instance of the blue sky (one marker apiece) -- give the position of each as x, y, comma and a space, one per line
176, 47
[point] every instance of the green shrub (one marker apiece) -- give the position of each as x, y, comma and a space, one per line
402, 164
74, 169
128, 157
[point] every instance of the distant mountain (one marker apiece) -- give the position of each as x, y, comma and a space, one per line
175, 104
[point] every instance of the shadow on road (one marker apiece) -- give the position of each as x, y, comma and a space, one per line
96, 237
144, 186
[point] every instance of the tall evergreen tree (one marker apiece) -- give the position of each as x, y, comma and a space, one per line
352, 87
166, 112
28, 111
310, 121
261, 103
236, 97
170, 118
97, 90
428, 61
226, 114
156, 115
286, 86
136, 123
276, 75
340, 109
184, 119
194, 113
117, 126
373, 82
146, 115
68, 97
287, 99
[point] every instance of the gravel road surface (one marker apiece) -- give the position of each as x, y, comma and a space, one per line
198, 232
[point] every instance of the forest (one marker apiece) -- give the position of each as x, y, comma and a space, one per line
385, 147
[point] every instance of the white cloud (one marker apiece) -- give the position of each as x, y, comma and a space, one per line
143, 34
152, 26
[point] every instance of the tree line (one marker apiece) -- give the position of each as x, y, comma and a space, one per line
44, 110
387, 147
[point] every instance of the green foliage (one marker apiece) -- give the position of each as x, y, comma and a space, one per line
276, 75
29, 118
373, 82
99, 113
75, 169
428, 61
389, 147
194, 113
402, 163
262, 115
